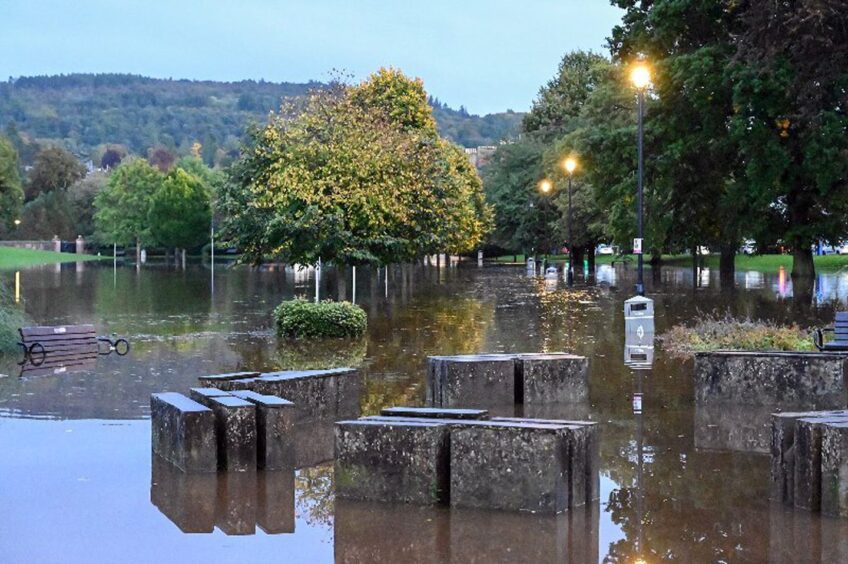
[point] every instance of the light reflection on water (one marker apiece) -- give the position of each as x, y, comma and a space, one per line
76, 446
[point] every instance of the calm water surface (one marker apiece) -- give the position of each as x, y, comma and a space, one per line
77, 483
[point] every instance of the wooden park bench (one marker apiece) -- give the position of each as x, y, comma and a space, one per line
840, 334
66, 345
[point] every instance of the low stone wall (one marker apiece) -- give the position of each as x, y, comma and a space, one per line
54, 245
787, 379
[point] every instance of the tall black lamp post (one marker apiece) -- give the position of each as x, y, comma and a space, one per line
641, 77
570, 165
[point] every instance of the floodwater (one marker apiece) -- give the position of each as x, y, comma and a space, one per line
77, 482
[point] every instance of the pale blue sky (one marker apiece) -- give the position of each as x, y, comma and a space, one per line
487, 55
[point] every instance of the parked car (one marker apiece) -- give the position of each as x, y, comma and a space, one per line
842, 249
604, 249
749, 247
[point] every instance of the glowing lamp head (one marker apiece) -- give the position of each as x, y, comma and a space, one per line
570, 165
17, 222
545, 186
640, 76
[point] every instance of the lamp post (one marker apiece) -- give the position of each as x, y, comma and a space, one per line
640, 76
570, 165
545, 186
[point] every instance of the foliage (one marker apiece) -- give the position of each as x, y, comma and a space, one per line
11, 192
82, 112
302, 319
122, 208
55, 169
180, 211
714, 332
12, 317
347, 180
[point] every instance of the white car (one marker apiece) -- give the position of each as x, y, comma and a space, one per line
604, 250
842, 249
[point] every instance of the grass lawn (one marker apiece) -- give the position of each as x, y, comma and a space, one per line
14, 258
743, 262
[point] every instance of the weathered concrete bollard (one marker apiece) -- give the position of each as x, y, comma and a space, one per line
471, 380
554, 377
392, 461
183, 432
511, 466
808, 460
834, 469
274, 430
315, 393
203, 395
235, 428
435, 413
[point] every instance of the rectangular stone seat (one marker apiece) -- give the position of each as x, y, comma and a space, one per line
274, 430
834, 469
392, 460
808, 460
183, 432
552, 377
235, 429
435, 413
315, 393
510, 466
483, 380
217, 380
202, 395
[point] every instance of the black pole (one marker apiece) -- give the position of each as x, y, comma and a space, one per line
569, 277
640, 283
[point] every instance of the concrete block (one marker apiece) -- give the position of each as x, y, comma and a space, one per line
187, 500
475, 381
235, 509
203, 395
834, 469
315, 393
553, 377
435, 413
275, 501
274, 430
808, 460
510, 466
183, 432
219, 380
392, 461
235, 429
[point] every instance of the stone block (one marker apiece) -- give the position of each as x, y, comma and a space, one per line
509, 466
314, 442
235, 429
235, 509
315, 393
789, 379
475, 381
275, 501
219, 380
834, 469
274, 430
203, 395
187, 500
183, 432
808, 460
392, 461
435, 413
551, 378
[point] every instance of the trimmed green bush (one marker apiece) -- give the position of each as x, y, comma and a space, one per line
301, 319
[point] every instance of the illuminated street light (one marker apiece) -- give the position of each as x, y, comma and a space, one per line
570, 165
640, 76
545, 186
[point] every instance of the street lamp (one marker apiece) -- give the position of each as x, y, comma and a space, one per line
640, 76
570, 165
545, 186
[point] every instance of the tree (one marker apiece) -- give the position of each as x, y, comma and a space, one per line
161, 158
11, 192
358, 175
122, 208
55, 169
180, 211
111, 158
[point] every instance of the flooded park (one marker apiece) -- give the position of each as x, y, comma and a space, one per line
678, 481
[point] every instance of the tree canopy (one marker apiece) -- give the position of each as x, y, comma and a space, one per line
11, 191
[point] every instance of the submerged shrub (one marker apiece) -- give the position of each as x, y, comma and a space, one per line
299, 318
728, 333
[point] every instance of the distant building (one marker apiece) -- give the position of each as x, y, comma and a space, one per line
480, 156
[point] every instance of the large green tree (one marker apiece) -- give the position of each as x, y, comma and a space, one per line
11, 192
54, 169
180, 211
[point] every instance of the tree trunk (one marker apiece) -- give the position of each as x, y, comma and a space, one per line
137, 251
590, 254
183, 257
802, 262
695, 279
341, 282
727, 266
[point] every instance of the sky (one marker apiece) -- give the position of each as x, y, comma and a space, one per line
488, 56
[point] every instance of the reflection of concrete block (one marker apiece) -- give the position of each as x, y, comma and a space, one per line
183, 432
188, 500
549, 378
808, 460
236, 503
274, 430
834, 469
741, 429
235, 427
512, 466
275, 501
435, 413
471, 380
392, 460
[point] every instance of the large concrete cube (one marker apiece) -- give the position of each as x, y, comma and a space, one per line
834, 469
552, 378
471, 381
510, 466
183, 432
274, 430
315, 393
220, 380
808, 460
392, 461
435, 413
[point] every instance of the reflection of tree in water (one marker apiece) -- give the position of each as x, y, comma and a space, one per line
314, 494
318, 355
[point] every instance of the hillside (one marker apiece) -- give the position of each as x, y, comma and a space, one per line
83, 111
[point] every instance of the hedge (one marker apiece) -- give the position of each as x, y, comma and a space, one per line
302, 319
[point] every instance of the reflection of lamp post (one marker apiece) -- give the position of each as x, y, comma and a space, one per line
570, 165
640, 76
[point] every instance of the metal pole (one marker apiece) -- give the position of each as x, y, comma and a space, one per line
640, 283
570, 276
318, 281
212, 254
354, 284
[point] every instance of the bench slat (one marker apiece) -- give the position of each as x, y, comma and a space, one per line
43, 331
61, 339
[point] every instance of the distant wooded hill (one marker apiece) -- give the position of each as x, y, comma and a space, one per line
85, 111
